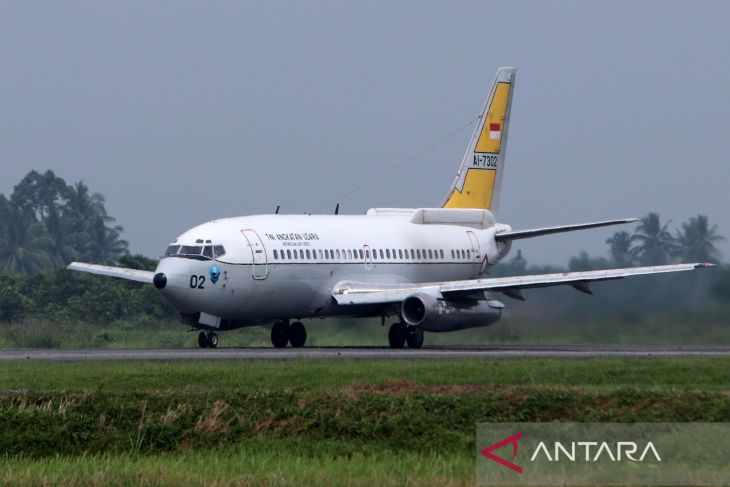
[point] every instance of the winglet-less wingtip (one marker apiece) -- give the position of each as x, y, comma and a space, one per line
704, 265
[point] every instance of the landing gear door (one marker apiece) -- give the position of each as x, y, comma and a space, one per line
259, 268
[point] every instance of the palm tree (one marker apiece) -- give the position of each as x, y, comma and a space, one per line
697, 241
66, 236
24, 245
104, 245
621, 250
655, 244
84, 205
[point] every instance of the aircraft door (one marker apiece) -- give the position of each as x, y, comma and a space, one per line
475, 254
260, 268
368, 256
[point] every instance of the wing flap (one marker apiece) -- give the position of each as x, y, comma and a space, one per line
365, 294
120, 272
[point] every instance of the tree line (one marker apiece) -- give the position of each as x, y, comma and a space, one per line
651, 243
46, 224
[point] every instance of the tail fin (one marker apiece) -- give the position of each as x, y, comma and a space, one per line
478, 182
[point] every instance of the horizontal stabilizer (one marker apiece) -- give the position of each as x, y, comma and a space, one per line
120, 272
537, 232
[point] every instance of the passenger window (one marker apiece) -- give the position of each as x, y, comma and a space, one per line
382, 255
288, 254
387, 253
338, 253
276, 254
413, 254
400, 253
441, 253
430, 254
418, 253
309, 256
362, 255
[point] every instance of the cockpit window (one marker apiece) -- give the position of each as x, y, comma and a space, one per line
172, 250
191, 249
199, 252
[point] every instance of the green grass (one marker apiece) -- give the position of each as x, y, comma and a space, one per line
222, 377
530, 324
316, 422
256, 462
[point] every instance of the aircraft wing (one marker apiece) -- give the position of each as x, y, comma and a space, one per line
120, 272
352, 294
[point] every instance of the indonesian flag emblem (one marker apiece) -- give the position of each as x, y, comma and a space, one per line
495, 131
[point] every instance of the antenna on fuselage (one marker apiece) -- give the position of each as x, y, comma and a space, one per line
277, 209
337, 209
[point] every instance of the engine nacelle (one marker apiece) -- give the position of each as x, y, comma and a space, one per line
433, 314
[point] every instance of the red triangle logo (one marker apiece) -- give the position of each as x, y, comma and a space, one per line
511, 440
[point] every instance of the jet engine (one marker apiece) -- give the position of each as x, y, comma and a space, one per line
437, 315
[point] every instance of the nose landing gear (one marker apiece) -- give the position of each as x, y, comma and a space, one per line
282, 333
207, 339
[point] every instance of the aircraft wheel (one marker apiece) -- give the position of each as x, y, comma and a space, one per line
397, 335
414, 337
279, 334
297, 334
202, 340
212, 339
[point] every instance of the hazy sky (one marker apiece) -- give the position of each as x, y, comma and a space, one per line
179, 112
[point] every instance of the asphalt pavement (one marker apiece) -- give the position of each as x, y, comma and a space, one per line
373, 353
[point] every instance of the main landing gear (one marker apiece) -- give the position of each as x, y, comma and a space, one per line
283, 333
400, 334
207, 339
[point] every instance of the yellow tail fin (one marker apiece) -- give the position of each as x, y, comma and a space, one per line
478, 182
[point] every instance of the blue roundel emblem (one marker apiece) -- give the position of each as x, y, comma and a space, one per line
215, 273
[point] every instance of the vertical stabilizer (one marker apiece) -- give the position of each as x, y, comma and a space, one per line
479, 180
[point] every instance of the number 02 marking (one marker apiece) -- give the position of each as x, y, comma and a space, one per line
197, 282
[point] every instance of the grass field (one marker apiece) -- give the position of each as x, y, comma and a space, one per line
709, 325
315, 422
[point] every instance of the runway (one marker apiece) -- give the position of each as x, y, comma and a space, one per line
373, 353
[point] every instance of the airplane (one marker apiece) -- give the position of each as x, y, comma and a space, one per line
425, 267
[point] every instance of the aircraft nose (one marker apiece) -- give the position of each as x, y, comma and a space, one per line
160, 280
171, 279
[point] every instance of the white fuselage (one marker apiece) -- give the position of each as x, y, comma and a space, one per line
286, 266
